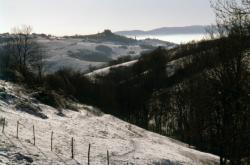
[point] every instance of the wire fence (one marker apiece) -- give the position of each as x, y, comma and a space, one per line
70, 145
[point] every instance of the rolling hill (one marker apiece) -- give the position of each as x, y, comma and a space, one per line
82, 52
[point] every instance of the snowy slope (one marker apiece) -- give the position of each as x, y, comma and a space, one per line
106, 70
71, 52
126, 143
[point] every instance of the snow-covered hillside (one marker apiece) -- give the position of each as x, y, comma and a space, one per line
126, 143
80, 54
71, 52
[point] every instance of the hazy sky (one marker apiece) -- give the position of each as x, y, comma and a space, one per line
61, 17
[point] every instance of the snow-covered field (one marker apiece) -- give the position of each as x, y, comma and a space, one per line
126, 143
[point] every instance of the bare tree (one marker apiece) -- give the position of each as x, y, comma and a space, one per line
21, 44
25, 53
232, 16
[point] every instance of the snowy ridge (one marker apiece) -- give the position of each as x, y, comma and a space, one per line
171, 68
105, 71
126, 143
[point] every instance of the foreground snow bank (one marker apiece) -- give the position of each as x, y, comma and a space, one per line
126, 143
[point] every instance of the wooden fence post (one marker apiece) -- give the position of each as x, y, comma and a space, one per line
17, 129
34, 135
89, 154
108, 157
51, 141
3, 125
72, 148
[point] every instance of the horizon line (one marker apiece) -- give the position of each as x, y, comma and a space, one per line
116, 31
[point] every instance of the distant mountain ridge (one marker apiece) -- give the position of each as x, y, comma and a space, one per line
197, 29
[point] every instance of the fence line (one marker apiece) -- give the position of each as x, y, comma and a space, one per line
51, 141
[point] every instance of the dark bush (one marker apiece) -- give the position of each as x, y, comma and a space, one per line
31, 109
